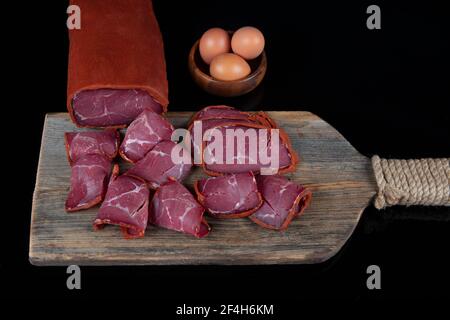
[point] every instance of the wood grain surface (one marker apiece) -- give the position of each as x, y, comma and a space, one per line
340, 177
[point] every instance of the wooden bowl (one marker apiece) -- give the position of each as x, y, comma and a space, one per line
200, 73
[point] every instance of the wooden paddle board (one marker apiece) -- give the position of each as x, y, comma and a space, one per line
340, 178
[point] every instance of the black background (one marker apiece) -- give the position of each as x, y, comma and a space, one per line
386, 91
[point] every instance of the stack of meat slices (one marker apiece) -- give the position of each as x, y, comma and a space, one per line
222, 118
151, 190
234, 191
113, 87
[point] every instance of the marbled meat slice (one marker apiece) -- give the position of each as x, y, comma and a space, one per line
157, 166
79, 144
126, 205
214, 116
174, 207
143, 134
111, 107
241, 157
283, 201
88, 182
229, 196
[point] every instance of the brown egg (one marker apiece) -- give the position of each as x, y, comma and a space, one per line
248, 42
213, 42
229, 67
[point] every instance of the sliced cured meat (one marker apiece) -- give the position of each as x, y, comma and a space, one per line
111, 107
223, 118
212, 123
220, 112
283, 201
126, 205
205, 125
263, 118
214, 116
220, 115
173, 207
229, 196
88, 182
148, 129
119, 47
157, 166
242, 160
90, 155
79, 144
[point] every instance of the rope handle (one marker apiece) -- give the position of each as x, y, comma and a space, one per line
412, 182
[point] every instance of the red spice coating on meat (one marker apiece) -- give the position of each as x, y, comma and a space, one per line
119, 47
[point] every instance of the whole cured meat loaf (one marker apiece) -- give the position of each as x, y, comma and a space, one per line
173, 207
229, 196
283, 201
125, 205
116, 63
79, 144
147, 130
157, 167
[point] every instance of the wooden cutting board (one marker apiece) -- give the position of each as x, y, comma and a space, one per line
339, 176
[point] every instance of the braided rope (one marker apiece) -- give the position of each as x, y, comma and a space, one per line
412, 182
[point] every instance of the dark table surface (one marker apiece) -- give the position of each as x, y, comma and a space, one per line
387, 91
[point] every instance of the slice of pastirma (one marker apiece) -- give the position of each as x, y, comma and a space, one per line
283, 201
126, 205
116, 63
88, 182
146, 131
229, 196
79, 144
157, 166
220, 112
251, 130
90, 155
252, 148
174, 207
210, 117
